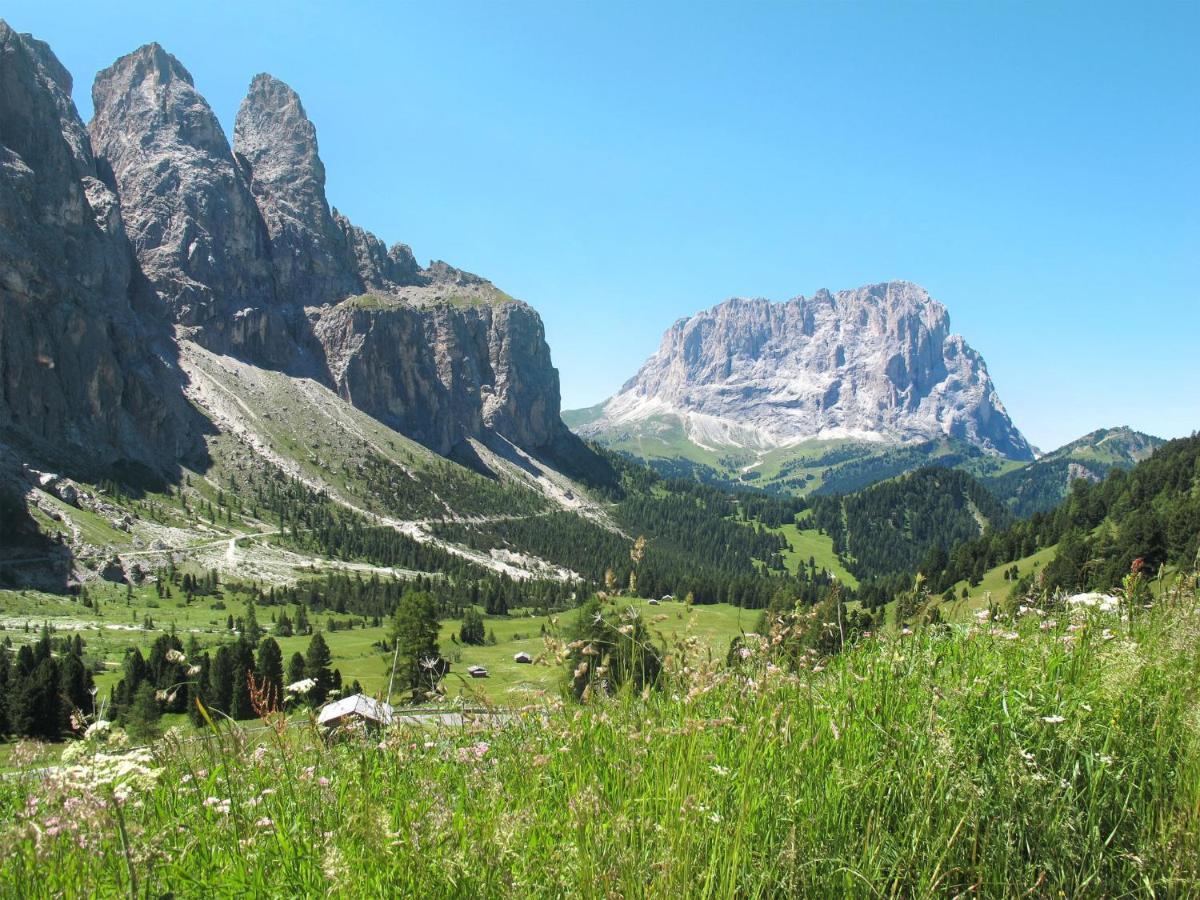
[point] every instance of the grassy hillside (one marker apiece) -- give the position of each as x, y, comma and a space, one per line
1041, 485
891, 527
809, 543
1028, 758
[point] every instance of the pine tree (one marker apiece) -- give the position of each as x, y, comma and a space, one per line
144, 714
268, 673
5, 689
76, 683
295, 671
415, 633
38, 710
253, 632
472, 627
220, 679
316, 667
240, 706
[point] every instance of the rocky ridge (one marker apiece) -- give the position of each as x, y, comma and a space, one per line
174, 234
78, 369
877, 363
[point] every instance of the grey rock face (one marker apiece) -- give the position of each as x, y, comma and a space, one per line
167, 226
75, 371
875, 363
312, 258
444, 370
187, 206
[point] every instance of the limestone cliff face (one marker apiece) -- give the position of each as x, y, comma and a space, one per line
187, 206
148, 227
76, 374
874, 363
444, 363
310, 255
246, 256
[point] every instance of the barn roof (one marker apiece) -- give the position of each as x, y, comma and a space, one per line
356, 705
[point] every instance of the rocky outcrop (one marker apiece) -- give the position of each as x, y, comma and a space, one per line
188, 208
169, 227
875, 363
442, 366
76, 375
439, 354
310, 254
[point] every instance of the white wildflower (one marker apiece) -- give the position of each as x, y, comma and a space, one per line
303, 686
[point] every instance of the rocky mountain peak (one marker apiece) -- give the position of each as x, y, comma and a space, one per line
78, 377
312, 259
875, 363
187, 207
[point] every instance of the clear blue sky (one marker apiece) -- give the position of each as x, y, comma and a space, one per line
619, 165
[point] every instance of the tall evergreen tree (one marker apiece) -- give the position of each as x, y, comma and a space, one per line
240, 706
268, 673
38, 710
220, 679
316, 667
415, 633
295, 671
472, 631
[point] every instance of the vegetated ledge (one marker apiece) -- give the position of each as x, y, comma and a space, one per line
432, 295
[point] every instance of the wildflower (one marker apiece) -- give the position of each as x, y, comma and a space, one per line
264, 822
193, 671
323, 781
906, 631
720, 770
1053, 720
303, 686
175, 656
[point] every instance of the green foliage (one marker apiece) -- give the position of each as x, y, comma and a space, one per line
415, 639
472, 631
890, 527
1151, 512
949, 762
317, 662
268, 673
142, 720
610, 648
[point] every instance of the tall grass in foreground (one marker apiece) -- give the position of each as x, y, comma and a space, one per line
1042, 757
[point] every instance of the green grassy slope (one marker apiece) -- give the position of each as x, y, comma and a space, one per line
1005, 761
806, 543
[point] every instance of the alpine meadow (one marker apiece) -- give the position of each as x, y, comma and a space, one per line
320, 577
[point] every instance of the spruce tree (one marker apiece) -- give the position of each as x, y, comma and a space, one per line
268, 673
316, 667
240, 706
472, 631
295, 671
38, 710
144, 714
220, 679
76, 683
415, 633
